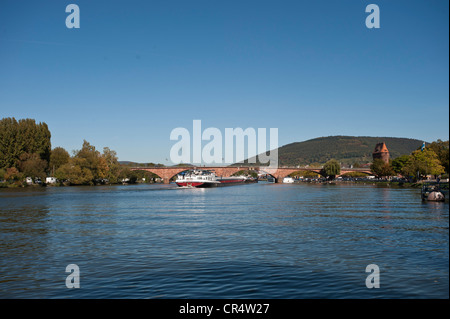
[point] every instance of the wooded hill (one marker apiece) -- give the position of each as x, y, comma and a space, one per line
345, 149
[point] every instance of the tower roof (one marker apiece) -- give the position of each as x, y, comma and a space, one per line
381, 148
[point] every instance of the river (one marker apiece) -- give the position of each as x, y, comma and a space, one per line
249, 241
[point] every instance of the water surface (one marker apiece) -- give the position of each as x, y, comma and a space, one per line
251, 241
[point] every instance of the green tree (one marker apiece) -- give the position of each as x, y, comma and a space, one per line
441, 148
88, 158
422, 163
331, 169
75, 172
9, 148
58, 157
31, 165
113, 166
126, 173
23, 136
399, 163
34, 138
381, 169
86, 167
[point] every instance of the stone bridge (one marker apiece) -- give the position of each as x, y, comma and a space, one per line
281, 172
166, 173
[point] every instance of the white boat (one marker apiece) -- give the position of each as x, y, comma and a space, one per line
206, 178
288, 180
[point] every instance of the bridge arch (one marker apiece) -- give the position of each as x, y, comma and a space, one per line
243, 170
165, 174
315, 171
282, 172
366, 172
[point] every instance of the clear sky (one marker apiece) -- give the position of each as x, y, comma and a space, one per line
135, 70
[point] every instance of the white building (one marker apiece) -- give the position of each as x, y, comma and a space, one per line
50, 180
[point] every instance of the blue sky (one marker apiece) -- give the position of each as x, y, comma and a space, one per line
135, 70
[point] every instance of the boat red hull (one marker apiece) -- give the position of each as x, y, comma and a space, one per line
223, 182
190, 184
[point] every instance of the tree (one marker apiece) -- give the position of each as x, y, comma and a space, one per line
88, 158
12, 174
422, 163
399, 163
33, 166
75, 172
88, 166
9, 148
125, 172
58, 157
381, 169
331, 169
442, 151
113, 166
23, 136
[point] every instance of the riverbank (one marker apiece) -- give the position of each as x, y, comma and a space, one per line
24, 185
400, 184
382, 183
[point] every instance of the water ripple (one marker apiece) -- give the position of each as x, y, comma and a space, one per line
253, 241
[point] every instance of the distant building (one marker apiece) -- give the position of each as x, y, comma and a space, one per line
381, 152
50, 180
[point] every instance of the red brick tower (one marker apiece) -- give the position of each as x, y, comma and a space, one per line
381, 152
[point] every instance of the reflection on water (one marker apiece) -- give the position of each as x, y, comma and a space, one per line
251, 241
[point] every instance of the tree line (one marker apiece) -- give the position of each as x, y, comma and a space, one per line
433, 159
89, 166
25, 151
25, 148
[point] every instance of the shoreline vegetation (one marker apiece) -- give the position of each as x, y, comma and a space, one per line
27, 159
367, 181
397, 184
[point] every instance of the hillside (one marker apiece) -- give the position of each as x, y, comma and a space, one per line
346, 149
